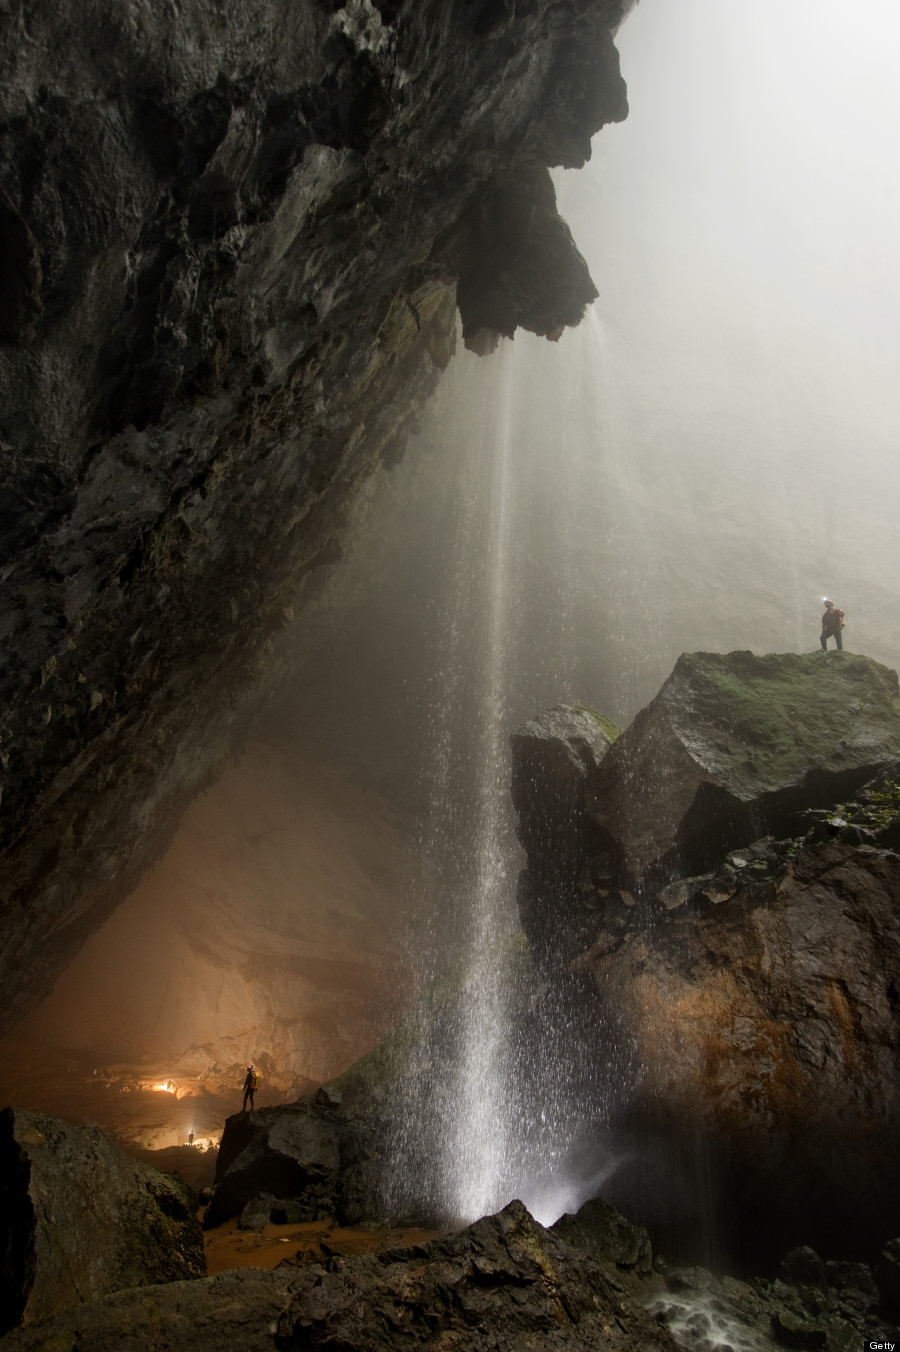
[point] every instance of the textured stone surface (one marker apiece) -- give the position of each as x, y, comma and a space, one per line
702, 1310
79, 1220
887, 1275
607, 1237
291, 1152
230, 240
753, 1009
552, 758
731, 746
502, 1285
769, 1027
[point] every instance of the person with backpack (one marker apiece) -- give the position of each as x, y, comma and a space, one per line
251, 1084
832, 624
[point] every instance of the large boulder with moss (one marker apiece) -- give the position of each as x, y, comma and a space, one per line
79, 1220
731, 747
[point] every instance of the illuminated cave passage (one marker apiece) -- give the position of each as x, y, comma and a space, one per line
299, 550
273, 929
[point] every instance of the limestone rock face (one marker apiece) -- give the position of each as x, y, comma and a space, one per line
553, 757
731, 746
750, 1012
503, 1284
769, 1026
230, 238
79, 1220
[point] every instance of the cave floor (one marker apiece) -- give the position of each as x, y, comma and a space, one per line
298, 1245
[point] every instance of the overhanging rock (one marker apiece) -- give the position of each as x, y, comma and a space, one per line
229, 243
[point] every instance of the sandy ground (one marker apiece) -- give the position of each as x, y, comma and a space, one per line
289, 1245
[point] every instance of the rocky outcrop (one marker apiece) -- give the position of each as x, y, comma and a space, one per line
230, 241
299, 1162
502, 1284
553, 757
78, 1220
731, 746
750, 1012
607, 1237
767, 1027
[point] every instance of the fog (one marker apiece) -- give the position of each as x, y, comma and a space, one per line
741, 229
698, 465
713, 451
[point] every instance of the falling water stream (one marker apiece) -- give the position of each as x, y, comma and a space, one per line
692, 469
499, 1099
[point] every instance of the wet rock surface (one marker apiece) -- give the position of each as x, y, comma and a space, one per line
79, 1220
298, 1162
838, 1312
502, 1284
607, 1237
731, 746
768, 1027
230, 241
752, 1007
552, 758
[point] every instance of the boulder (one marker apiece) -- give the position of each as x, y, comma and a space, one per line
79, 1220
804, 1267
848, 1276
887, 1275
552, 758
290, 1152
607, 1237
257, 1212
731, 747
500, 1285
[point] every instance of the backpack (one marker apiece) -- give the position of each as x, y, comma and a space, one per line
254, 1079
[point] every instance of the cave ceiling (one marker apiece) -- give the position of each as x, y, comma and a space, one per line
232, 243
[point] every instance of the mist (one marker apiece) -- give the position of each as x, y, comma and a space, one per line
713, 451
708, 456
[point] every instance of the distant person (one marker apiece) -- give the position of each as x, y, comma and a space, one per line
832, 624
190, 1137
251, 1084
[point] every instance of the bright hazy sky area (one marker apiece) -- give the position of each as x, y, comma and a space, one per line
742, 227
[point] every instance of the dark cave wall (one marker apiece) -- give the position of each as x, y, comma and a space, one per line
231, 236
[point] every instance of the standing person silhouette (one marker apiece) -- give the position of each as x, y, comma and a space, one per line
251, 1084
832, 624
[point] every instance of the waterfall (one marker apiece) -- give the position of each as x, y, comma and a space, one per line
505, 1084
477, 1145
